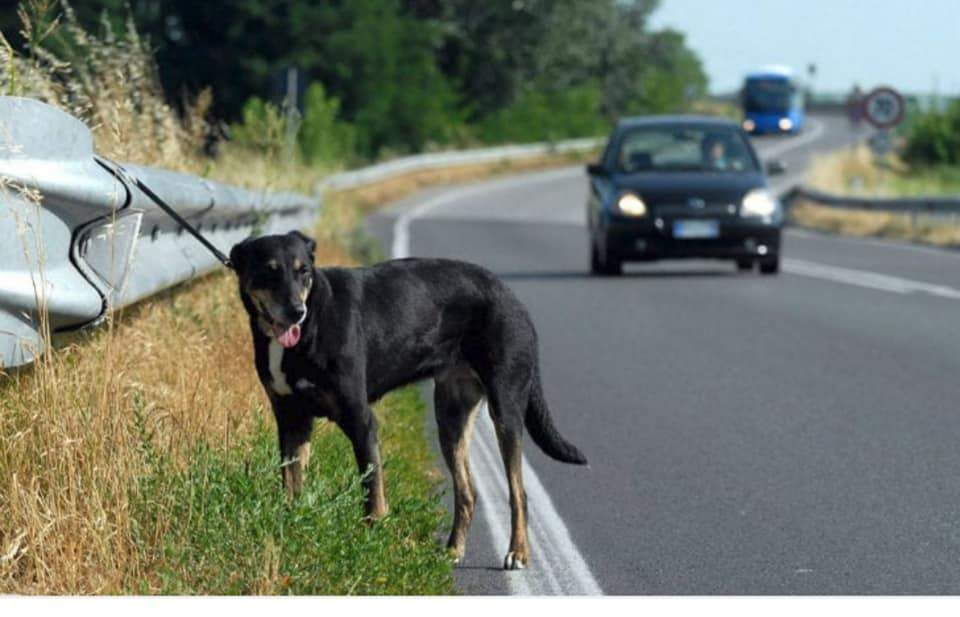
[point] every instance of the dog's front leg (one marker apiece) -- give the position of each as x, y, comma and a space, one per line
293, 429
360, 425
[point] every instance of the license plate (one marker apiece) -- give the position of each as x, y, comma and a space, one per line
696, 229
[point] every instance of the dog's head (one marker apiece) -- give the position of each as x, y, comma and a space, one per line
276, 275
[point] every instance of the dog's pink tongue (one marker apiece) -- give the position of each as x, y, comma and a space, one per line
290, 336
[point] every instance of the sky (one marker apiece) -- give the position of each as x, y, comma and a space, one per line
912, 46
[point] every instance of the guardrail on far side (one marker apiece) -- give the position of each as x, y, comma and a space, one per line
903, 205
441, 160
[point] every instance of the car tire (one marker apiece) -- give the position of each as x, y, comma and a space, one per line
606, 266
770, 266
744, 265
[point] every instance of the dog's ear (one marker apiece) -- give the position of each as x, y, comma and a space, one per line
310, 242
238, 255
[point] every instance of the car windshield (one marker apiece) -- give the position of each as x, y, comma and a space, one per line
679, 148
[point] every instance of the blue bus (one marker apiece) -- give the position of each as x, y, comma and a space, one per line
772, 101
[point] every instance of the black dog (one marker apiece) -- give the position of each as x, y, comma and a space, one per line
330, 341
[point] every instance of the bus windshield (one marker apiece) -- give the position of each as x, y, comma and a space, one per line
768, 95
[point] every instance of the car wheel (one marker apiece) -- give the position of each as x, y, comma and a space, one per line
612, 266
595, 266
744, 265
770, 266
607, 265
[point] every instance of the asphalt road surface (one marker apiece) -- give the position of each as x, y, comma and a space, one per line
747, 435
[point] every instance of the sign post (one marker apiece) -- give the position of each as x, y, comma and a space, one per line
884, 108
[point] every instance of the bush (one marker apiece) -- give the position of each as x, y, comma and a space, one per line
934, 138
324, 139
265, 128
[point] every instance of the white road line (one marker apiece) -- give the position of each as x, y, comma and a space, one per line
557, 566
903, 245
401, 227
868, 279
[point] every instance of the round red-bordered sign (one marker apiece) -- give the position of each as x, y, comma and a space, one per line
883, 107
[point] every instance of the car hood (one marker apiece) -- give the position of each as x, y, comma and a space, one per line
677, 187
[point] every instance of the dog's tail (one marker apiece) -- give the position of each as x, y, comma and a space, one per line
544, 433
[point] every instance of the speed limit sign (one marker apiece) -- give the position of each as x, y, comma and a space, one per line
883, 108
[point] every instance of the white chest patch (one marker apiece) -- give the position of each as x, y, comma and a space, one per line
277, 378
303, 384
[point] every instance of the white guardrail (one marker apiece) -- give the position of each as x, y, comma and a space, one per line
78, 240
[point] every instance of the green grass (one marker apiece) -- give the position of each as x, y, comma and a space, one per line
942, 180
235, 532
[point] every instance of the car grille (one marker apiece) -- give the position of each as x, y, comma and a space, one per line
711, 210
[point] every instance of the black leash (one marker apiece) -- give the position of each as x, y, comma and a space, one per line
173, 214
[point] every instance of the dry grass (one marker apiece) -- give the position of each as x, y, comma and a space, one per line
850, 172
942, 232
855, 172
71, 431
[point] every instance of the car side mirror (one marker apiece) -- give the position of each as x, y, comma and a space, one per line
596, 169
776, 167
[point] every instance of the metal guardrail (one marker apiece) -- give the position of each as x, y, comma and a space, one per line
904, 205
78, 240
440, 160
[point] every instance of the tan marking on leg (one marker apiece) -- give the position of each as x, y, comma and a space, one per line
512, 453
464, 491
295, 470
377, 499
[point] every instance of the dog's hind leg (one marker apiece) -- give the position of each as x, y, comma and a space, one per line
457, 396
508, 422
293, 429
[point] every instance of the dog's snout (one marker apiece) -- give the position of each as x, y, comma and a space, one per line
298, 312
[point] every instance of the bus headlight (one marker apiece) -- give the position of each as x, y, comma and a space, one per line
630, 204
759, 202
785, 124
748, 125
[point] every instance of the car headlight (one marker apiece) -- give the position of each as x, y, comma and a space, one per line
630, 204
748, 125
785, 124
759, 202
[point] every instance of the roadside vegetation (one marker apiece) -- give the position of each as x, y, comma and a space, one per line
380, 78
927, 163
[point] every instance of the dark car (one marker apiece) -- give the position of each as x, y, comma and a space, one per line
682, 187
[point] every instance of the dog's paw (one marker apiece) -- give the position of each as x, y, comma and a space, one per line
513, 561
455, 556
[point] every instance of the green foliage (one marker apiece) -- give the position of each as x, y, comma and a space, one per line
551, 116
934, 138
236, 533
324, 138
395, 94
266, 128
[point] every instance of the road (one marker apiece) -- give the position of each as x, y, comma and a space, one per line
746, 434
